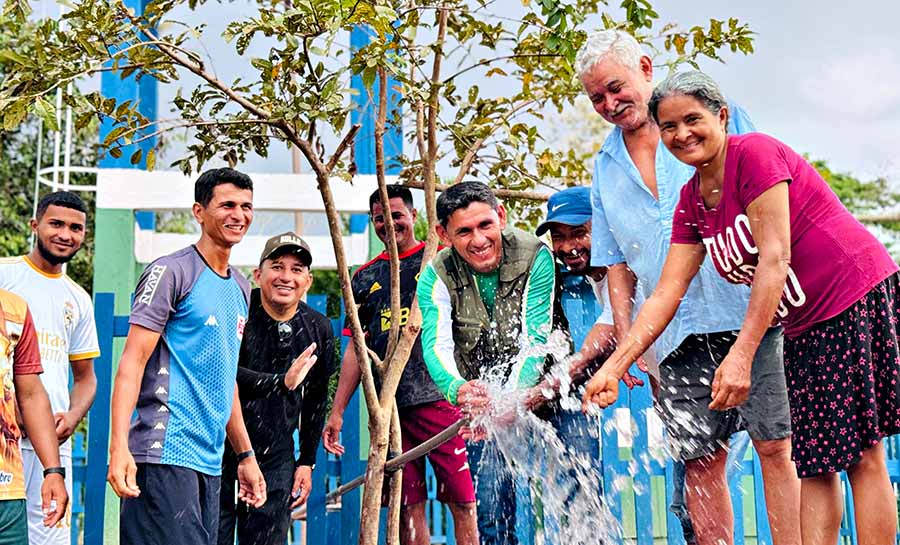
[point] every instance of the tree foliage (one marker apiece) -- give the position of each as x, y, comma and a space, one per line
437, 56
18, 161
303, 82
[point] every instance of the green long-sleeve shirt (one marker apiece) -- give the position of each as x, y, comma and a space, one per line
437, 326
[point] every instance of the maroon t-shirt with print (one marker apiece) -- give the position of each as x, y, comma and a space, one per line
835, 260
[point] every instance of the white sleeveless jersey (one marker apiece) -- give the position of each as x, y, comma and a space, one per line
64, 320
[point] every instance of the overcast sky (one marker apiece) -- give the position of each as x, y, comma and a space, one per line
825, 77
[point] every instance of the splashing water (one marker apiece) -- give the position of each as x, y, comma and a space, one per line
530, 448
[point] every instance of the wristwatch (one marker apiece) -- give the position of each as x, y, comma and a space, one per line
244, 455
57, 470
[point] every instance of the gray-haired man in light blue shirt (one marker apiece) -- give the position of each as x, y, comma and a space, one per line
636, 186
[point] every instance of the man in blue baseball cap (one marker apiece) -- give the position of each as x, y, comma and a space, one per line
585, 302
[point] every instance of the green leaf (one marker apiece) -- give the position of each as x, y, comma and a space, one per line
46, 110
136, 157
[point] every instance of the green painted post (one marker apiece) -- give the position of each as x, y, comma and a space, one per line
116, 272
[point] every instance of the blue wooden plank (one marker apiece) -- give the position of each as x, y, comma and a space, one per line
316, 527
98, 423
351, 467
763, 532
737, 503
611, 467
640, 403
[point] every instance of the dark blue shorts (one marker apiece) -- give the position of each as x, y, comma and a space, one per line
177, 505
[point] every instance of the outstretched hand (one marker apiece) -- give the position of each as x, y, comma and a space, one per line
602, 390
332, 432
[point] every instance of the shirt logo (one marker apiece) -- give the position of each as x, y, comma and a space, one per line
153, 279
241, 322
211, 321
68, 314
375, 287
386, 318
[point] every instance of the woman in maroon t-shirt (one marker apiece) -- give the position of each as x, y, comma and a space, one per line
767, 219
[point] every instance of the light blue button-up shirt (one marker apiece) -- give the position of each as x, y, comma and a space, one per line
631, 226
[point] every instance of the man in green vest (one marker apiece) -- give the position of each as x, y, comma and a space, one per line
486, 301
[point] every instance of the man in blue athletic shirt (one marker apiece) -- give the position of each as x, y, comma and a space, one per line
178, 370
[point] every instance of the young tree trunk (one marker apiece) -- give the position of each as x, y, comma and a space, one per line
379, 426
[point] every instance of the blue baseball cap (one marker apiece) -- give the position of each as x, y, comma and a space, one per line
571, 206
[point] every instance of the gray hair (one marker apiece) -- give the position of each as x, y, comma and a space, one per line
694, 84
618, 44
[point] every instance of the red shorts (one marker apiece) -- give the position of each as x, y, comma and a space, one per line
449, 461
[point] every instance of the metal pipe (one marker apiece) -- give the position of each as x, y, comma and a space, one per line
394, 463
67, 148
37, 175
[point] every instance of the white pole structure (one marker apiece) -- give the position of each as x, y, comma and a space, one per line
37, 175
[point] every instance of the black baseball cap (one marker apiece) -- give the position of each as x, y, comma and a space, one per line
284, 243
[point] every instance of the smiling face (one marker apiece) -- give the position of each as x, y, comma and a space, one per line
283, 280
475, 232
59, 233
404, 222
572, 245
620, 94
228, 215
693, 134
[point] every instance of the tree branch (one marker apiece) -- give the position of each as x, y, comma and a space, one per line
473, 150
500, 193
486, 62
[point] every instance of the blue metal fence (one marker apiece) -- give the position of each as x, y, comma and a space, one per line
637, 493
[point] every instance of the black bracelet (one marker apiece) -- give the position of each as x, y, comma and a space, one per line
244, 455
57, 470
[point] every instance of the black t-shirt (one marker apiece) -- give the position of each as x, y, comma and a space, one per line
271, 411
371, 289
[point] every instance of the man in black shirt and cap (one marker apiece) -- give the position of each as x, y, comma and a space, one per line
282, 341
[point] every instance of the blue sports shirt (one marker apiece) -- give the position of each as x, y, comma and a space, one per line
188, 384
630, 226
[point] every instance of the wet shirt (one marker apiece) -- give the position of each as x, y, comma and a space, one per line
272, 412
835, 260
188, 383
630, 225
372, 290
64, 320
19, 355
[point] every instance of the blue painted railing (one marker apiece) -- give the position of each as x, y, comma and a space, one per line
647, 522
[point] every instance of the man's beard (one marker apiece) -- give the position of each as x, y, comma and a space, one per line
52, 258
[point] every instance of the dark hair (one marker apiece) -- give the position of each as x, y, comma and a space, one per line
692, 83
394, 191
66, 199
207, 182
460, 196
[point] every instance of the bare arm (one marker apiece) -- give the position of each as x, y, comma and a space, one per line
139, 345
251, 484
38, 418
681, 266
347, 384
769, 216
598, 345
80, 399
622, 284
